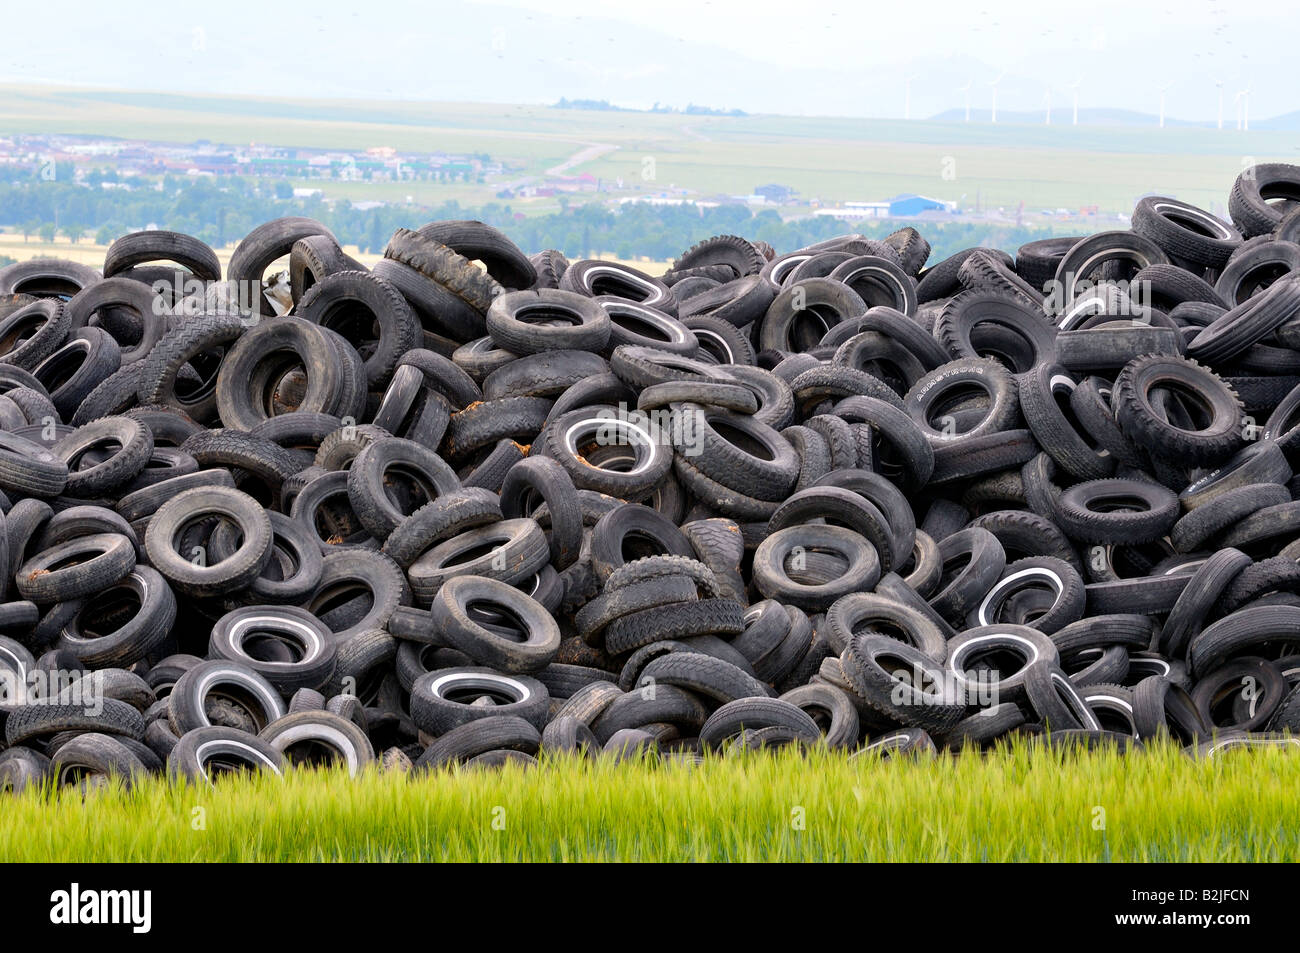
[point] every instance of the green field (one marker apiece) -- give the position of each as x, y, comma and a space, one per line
1018, 804
829, 159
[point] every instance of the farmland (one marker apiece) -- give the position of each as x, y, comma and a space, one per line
1017, 803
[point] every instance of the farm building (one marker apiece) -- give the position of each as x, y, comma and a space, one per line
909, 203
906, 205
776, 193
857, 210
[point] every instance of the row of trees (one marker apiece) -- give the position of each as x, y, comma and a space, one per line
223, 211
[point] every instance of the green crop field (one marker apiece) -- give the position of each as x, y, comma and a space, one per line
827, 159
1019, 803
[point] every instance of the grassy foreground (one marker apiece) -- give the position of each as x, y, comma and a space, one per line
1018, 804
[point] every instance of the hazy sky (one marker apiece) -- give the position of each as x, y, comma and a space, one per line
810, 56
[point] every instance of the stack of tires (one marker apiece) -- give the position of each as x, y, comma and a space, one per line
470, 505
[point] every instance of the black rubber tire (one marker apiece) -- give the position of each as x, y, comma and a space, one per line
252, 700
1055, 700
704, 675
681, 620
734, 717
1254, 684
135, 446
378, 466
1060, 434
931, 400
1154, 431
973, 561
1239, 632
115, 394
263, 245
1185, 232
33, 332
451, 615
738, 254
76, 569
1023, 533
498, 738
544, 374
228, 575
443, 518
435, 707
135, 309
453, 271
878, 281
479, 241
1249, 201
977, 661
1085, 260
857, 612
316, 738
312, 649
128, 641
312, 259
358, 592
247, 383
540, 480
89, 357
340, 300
803, 312
447, 316
212, 751
48, 717
1037, 261
591, 443
594, 279
901, 701
512, 550
1067, 594
482, 424
154, 245
1079, 517
1260, 462
986, 323
985, 271
771, 575
1162, 707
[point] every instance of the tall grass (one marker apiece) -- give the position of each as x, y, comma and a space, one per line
1016, 804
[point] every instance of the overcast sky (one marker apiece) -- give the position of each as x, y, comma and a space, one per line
810, 56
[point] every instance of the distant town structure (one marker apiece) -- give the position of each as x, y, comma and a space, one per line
907, 205
776, 194
130, 158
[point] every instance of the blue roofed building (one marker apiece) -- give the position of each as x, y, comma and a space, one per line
909, 204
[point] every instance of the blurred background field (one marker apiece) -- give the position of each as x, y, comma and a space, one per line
596, 181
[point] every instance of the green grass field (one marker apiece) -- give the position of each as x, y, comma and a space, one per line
826, 158
1018, 804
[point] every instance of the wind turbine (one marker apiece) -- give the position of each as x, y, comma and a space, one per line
994, 115
1163, 90
1241, 103
1047, 97
907, 96
1218, 84
1074, 89
966, 90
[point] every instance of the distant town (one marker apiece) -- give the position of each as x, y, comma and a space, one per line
127, 164
130, 159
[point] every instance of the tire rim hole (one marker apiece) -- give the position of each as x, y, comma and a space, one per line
741, 440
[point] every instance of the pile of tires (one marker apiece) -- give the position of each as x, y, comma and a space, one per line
470, 505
